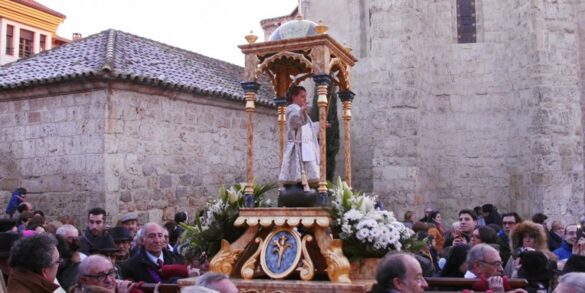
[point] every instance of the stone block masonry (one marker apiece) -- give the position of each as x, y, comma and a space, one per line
453, 126
54, 147
128, 148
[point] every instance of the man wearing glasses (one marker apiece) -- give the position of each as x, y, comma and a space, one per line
97, 270
509, 221
483, 260
34, 262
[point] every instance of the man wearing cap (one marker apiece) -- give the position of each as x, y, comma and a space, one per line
123, 241
130, 222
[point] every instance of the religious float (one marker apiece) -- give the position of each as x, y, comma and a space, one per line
297, 247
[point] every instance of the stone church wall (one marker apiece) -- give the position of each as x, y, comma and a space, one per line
165, 155
449, 125
128, 148
53, 145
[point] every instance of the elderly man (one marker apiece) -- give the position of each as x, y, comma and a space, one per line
123, 240
130, 222
399, 272
218, 282
483, 260
34, 261
97, 270
146, 265
571, 283
71, 233
96, 226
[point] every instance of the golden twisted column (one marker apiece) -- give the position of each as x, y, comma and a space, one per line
281, 104
347, 140
322, 102
346, 97
250, 89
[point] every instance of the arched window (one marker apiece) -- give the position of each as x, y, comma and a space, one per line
466, 21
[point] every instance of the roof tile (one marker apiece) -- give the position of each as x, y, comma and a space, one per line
119, 55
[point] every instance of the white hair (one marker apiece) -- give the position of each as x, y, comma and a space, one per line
88, 262
197, 289
65, 228
573, 280
478, 252
145, 227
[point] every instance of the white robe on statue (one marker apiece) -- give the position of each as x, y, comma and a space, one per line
301, 144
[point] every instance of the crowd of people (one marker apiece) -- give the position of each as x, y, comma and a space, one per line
493, 248
37, 255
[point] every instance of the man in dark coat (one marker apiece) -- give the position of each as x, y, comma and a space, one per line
147, 264
96, 223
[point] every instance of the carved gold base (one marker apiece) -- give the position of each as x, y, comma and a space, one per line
284, 250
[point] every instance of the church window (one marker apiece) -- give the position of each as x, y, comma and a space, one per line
466, 21
9, 40
25, 47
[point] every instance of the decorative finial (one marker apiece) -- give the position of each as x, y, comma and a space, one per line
321, 28
299, 11
251, 38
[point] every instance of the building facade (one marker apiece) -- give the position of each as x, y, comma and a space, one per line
465, 102
27, 28
132, 125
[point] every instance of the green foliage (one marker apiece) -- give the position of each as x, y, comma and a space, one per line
204, 236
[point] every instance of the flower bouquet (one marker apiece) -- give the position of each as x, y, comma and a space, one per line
364, 227
216, 222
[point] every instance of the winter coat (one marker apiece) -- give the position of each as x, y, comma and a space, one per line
25, 281
529, 227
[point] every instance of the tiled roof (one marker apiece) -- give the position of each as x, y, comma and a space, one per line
36, 5
122, 56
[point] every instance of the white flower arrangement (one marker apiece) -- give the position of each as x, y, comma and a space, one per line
365, 229
205, 235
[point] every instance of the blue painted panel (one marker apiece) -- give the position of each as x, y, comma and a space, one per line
288, 257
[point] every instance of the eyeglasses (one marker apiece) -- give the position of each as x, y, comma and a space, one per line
58, 262
508, 223
495, 263
103, 276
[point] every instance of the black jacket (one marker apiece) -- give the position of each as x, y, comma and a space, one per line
86, 242
554, 240
138, 267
